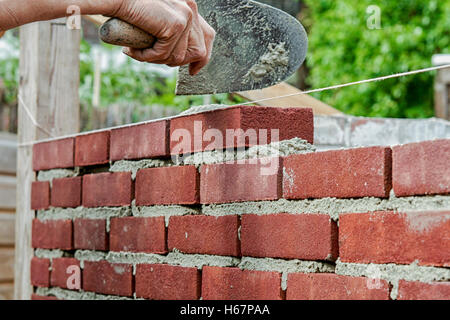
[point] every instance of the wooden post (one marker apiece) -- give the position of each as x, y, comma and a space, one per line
48, 89
442, 94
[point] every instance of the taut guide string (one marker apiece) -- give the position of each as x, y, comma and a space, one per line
392, 76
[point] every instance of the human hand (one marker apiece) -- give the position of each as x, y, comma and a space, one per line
183, 36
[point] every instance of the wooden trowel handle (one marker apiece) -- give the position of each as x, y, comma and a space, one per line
121, 33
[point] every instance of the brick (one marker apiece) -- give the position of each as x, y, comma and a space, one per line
190, 133
166, 282
40, 195
52, 234
38, 297
414, 290
90, 234
149, 140
388, 237
303, 236
107, 189
138, 234
421, 168
204, 235
330, 286
353, 173
169, 185
237, 182
53, 154
66, 270
236, 284
40, 272
66, 192
92, 149
108, 278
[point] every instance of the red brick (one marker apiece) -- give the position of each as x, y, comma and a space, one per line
169, 185
107, 189
235, 284
92, 149
188, 133
138, 234
38, 297
388, 237
108, 278
236, 182
165, 282
52, 234
205, 235
353, 173
66, 192
302, 236
149, 140
414, 290
62, 272
421, 168
40, 195
90, 234
330, 286
53, 154
40, 272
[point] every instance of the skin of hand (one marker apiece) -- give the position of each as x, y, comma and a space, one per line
184, 37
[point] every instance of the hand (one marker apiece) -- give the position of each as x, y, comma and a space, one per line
184, 37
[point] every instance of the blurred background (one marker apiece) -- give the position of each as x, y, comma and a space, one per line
345, 46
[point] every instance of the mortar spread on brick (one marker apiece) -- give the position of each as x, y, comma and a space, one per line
134, 166
275, 149
49, 175
203, 108
331, 206
393, 273
423, 222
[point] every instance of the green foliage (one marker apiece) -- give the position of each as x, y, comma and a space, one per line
343, 49
9, 69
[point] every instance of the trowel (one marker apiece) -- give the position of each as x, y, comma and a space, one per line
256, 46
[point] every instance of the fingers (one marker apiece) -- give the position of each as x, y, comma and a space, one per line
209, 35
171, 46
184, 37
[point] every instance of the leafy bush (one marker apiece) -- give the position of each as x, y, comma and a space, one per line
343, 49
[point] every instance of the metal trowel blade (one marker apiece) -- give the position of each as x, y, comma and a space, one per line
256, 46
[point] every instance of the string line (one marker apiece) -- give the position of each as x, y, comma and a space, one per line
397, 75
30, 116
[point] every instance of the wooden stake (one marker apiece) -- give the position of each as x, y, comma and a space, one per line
48, 88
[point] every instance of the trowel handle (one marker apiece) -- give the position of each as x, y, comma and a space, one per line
121, 33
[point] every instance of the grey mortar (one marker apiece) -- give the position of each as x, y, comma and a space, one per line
275, 149
330, 206
49, 254
173, 258
200, 260
76, 295
285, 267
134, 166
393, 273
49, 175
84, 213
276, 57
203, 108
165, 211
89, 255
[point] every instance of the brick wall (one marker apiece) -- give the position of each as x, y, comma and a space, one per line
120, 214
